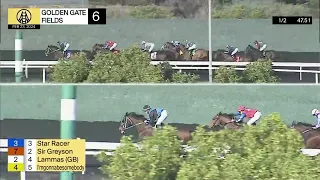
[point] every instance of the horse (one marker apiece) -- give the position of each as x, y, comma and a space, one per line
132, 119
220, 55
255, 54
164, 55
196, 54
224, 119
55, 53
99, 48
311, 136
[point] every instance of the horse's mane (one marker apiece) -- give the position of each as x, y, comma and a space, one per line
135, 115
230, 115
303, 124
52, 46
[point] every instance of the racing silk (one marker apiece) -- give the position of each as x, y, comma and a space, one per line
230, 50
148, 47
175, 43
158, 111
62, 45
259, 44
249, 113
190, 44
317, 115
109, 44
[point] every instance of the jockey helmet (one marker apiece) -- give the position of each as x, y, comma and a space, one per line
256, 42
146, 107
314, 111
143, 42
241, 108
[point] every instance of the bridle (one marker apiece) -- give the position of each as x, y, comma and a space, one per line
50, 51
303, 132
127, 123
217, 119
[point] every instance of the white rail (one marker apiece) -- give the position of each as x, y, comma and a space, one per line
181, 65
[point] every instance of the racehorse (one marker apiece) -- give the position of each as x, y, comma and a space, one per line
164, 55
224, 119
311, 136
170, 47
56, 53
220, 55
255, 54
196, 55
132, 119
99, 48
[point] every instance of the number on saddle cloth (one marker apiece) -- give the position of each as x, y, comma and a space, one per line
153, 55
67, 54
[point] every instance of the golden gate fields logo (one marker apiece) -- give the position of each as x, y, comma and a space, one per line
24, 16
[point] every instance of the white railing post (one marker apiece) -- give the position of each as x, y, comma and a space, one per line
317, 78
43, 75
300, 73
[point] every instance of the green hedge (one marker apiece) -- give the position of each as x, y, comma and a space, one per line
130, 66
267, 151
255, 72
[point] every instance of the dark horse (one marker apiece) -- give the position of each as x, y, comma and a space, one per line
195, 55
220, 55
311, 136
55, 52
224, 119
132, 119
99, 48
164, 55
170, 47
255, 54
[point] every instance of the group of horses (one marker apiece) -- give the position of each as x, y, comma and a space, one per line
181, 53
131, 120
169, 52
54, 52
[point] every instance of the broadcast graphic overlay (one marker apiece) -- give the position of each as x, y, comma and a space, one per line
46, 155
33, 18
293, 20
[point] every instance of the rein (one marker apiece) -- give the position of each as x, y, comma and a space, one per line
134, 125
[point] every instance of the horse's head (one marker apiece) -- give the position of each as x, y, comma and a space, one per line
220, 119
50, 49
130, 120
301, 127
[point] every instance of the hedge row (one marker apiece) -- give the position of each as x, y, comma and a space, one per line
130, 66
267, 151
133, 66
196, 10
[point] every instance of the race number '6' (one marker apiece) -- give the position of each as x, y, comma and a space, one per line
95, 16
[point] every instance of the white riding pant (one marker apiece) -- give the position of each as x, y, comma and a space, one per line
113, 46
263, 47
194, 46
255, 118
234, 51
163, 116
66, 47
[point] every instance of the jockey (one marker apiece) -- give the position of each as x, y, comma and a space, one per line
191, 46
147, 46
111, 45
64, 46
231, 51
175, 43
253, 115
261, 46
316, 113
157, 115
